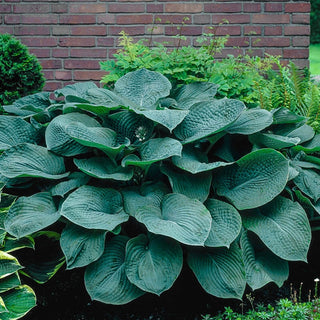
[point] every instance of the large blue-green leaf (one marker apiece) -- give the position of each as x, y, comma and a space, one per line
31, 214
284, 115
81, 246
101, 138
195, 161
303, 132
311, 146
18, 301
173, 215
9, 282
308, 181
220, 271
190, 94
14, 131
226, 223
29, 160
73, 181
195, 186
253, 180
207, 118
143, 87
154, 150
106, 280
251, 121
103, 168
271, 140
76, 90
59, 141
153, 264
261, 265
94, 208
283, 227
8, 264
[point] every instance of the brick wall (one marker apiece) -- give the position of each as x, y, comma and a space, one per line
70, 37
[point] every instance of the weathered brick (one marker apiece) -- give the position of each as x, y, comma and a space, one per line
271, 42
297, 30
31, 30
155, 8
63, 75
88, 75
297, 7
126, 7
48, 74
6, 29
77, 19
39, 41
223, 7
132, 30
105, 42
40, 52
183, 7
273, 7
5, 8
60, 52
59, 8
88, 30
238, 42
185, 30
173, 18
273, 31
252, 30
301, 41
251, 7
296, 53
300, 18
31, 8
76, 42
61, 30
231, 18
202, 19
31, 19
225, 30
82, 64
271, 18
88, 8
52, 86
106, 19
88, 53
134, 19
51, 64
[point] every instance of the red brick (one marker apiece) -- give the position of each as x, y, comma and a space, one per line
31, 19
133, 30
31, 8
59, 8
125, 7
226, 52
106, 19
88, 53
271, 42
297, 7
273, 51
51, 64
76, 42
88, 75
105, 42
155, 8
61, 30
88, 30
202, 19
254, 52
48, 74
301, 18
77, 19
82, 64
40, 52
172, 42
52, 86
223, 7
271, 18
60, 53
63, 75
301, 41
296, 53
39, 41
301, 63
252, 30
238, 42
5, 8
185, 30
273, 31
231, 18
228, 30
273, 7
6, 29
134, 19
31, 30
251, 7
183, 7
88, 8
173, 18
297, 30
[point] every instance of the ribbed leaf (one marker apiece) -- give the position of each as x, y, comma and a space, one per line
154, 150
103, 168
251, 121
106, 280
9, 282
18, 301
8, 264
308, 181
59, 141
207, 118
310, 146
194, 161
253, 180
261, 265
76, 90
173, 215
101, 138
283, 227
304, 132
81, 246
29, 160
13, 244
226, 223
153, 264
14, 131
31, 214
195, 186
284, 115
220, 271
192, 93
94, 208
275, 141
74, 180
143, 87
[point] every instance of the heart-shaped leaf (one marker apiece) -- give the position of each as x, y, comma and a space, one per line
76, 90
81, 246
9, 282
271, 140
94, 208
284, 115
29, 160
253, 180
106, 280
283, 227
311, 146
226, 223
153, 264
308, 181
220, 271
31, 214
103, 168
261, 265
207, 118
9, 264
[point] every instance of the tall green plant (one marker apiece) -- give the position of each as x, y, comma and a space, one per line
142, 179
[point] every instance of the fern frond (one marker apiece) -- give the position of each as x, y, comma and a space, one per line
313, 101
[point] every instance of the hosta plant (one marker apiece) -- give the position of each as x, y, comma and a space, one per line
142, 179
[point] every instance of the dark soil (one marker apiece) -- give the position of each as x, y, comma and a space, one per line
64, 297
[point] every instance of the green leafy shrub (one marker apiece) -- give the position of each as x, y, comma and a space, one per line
314, 21
140, 177
20, 72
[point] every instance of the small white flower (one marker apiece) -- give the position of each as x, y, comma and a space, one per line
316, 280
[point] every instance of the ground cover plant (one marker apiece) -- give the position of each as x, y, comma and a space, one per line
133, 183
20, 72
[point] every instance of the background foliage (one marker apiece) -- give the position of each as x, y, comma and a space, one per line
314, 21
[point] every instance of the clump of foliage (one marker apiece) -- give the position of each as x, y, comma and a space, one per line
20, 71
144, 178
314, 21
